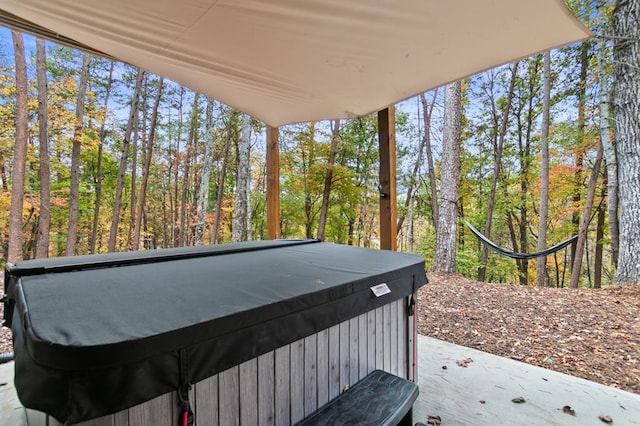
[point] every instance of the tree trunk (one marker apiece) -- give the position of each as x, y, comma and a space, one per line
74, 184
584, 222
203, 192
597, 263
411, 188
117, 203
220, 193
430, 163
445, 254
497, 170
147, 167
186, 170
526, 118
135, 139
240, 211
14, 253
410, 230
308, 159
176, 169
512, 231
249, 211
3, 174
581, 124
415, 178
165, 215
139, 134
351, 231
44, 222
541, 262
626, 55
98, 177
328, 179
609, 150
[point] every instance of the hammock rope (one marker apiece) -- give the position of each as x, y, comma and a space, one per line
515, 255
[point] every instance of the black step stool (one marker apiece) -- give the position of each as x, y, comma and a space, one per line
378, 399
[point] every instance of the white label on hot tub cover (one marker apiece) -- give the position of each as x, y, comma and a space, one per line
380, 289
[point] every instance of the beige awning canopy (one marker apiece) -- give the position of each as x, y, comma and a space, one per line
285, 61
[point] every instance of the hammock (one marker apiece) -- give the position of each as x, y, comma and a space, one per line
513, 254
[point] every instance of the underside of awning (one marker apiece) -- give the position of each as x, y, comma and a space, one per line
285, 61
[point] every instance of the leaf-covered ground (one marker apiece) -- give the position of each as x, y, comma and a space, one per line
589, 333
5, 335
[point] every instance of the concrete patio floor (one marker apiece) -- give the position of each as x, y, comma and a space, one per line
455, 393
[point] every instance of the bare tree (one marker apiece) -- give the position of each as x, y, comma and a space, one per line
501, 131
147, 167
414, 178
134, 141
220, 193
597, 262
98, 176
610, 157
186, 170
584, 222
541, 262
241, 206
203, 192
328, 179
445, 255
117, 203
176, 170
426, 118
74, 184
308, 162
14, 252
580, 151
44, 222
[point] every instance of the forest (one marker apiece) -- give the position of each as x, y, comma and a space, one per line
118, 159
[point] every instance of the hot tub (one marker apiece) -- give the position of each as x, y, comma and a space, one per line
250, 333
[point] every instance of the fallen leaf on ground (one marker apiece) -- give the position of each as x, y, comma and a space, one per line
464, 363
434, 420
482, 401
606, 419
518, 400
568, 410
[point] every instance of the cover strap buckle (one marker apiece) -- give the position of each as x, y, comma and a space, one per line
185, 417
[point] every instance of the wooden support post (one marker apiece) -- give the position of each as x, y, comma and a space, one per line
273, 183
387, 141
